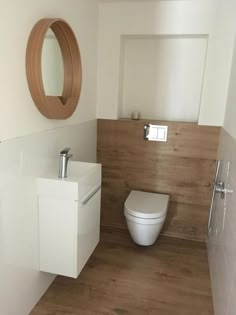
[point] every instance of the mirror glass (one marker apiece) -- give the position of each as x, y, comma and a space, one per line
52, 66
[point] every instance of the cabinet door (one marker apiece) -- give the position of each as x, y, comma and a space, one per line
88, 229
58, 235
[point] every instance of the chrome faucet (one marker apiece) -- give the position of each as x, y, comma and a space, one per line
63, 161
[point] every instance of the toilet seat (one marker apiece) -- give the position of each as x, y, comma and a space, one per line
146, 221
146, 206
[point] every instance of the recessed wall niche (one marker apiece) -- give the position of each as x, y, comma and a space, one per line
162, 76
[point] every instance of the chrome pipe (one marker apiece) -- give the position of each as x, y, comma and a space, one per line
63, 162
214, 190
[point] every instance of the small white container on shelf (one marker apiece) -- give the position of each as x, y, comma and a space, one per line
136, 115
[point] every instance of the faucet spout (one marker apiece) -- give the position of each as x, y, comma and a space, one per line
63, 162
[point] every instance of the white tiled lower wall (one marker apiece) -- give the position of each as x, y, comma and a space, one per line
222, 238
21, 161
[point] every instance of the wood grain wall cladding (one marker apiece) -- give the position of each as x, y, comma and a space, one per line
184, 139
182, 167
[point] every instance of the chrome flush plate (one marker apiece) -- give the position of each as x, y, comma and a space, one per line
155, 132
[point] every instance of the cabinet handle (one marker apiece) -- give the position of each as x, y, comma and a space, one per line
90, 196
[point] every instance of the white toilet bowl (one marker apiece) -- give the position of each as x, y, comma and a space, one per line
145, 215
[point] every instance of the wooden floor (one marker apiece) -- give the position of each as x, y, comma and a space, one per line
169, 278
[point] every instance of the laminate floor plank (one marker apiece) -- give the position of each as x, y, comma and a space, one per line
121, 278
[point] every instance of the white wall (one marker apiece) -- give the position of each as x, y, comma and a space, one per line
30, 143
19, 116
162, 76
222, 237
218, 66
180, 17
21, 161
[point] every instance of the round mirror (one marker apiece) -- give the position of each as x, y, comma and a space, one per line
52, 65
53, 68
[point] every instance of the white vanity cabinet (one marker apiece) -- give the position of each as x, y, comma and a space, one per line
69, 218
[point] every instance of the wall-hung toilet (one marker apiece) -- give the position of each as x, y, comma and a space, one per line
145, 215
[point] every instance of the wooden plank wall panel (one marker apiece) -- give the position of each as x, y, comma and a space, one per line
186, 221
182, 167
184, 139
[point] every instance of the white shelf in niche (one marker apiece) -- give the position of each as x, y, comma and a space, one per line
162, 76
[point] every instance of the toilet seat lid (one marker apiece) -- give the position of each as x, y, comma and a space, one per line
146, 205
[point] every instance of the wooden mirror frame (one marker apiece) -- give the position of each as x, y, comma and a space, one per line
54, 107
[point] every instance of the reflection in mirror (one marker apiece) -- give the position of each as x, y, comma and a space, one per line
56, 92
52, 66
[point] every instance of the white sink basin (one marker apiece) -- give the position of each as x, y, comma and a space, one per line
82, 179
